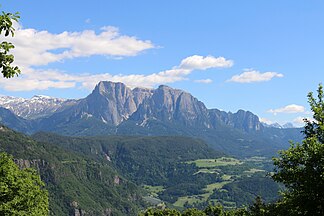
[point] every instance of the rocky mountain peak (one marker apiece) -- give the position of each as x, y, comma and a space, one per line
108, 88
247, 120
110, 102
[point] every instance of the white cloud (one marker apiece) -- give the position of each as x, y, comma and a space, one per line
206, 81
299, 120
292, 108
265, 120
197, 62
254, 76
32, 79
34, 48
37, 48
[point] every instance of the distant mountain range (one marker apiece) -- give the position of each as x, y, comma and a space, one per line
277, 125
114, 109
36, 107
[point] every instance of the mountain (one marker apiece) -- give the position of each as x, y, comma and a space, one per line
114, 109
114, 103
173, 106
36, 107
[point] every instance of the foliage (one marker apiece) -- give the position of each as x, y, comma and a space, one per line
74, 181
6, 59
208, 211
301, 167
21, 191
169, 163
315, 128
245, 190
160, 212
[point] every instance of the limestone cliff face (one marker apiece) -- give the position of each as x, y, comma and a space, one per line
172, 105
111, 104
243, 120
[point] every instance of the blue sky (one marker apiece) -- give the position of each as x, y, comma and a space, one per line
262, 56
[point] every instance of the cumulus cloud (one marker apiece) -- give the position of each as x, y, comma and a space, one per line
266, 121
37, 79
197, 62
34, 48
254, 76
205, 81
292, 108
299, 120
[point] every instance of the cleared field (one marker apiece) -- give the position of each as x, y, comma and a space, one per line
214, 186
189, 199
226, 177
253, 170
227, 170
205, 170
209, 163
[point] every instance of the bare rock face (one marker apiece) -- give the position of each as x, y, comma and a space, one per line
117, 180
37, 164
172, 105
243, 120
140, 94
110, 102
246, 120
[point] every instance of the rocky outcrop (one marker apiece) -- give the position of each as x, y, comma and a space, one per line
35, 163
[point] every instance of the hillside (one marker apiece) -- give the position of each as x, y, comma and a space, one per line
76, 183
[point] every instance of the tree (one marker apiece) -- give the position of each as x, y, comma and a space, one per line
258, 208
193, 212
6, 59
301, 167
160, 212
21, 191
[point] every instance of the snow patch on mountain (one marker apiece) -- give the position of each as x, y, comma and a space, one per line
36, 107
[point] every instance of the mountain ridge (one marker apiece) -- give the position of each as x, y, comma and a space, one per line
36, 107
115, 109
114, 102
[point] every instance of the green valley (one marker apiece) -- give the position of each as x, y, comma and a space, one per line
122, 175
